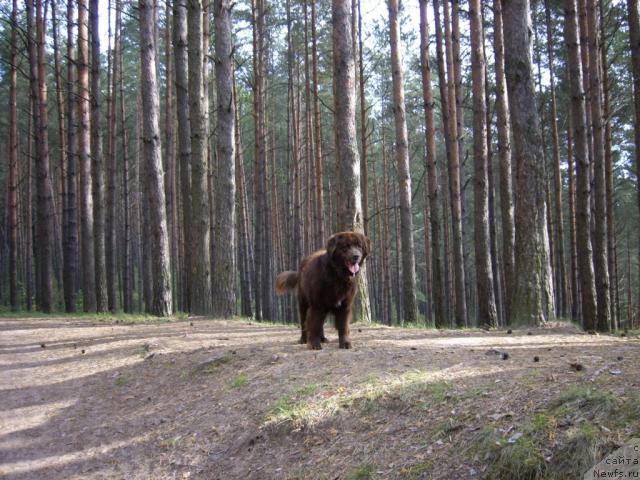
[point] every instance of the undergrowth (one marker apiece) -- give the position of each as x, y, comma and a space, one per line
572, 434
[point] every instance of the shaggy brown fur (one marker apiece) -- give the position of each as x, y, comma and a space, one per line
326, 283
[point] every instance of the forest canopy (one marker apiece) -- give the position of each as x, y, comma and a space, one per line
174, 156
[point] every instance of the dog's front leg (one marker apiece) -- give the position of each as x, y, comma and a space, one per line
343, 317
315, 321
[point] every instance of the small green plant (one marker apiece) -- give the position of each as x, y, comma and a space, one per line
239, 381
417, 470
122, 380
554, 444
361, 472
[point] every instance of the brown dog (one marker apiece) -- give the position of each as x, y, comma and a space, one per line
326, 283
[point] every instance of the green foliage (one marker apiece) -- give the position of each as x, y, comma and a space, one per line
123, 380
564, 439
239, 381
362, 472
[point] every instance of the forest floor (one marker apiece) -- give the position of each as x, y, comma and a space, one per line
207, 399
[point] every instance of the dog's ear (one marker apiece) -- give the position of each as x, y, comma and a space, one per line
332, 244
366, 246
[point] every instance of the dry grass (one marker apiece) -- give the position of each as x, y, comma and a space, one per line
241, 400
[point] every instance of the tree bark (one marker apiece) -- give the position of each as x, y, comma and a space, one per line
13, 161
224, 278
487, 312
70, 265
578, 116
504, 155
432, 171
634, 40
97, 168
160, 264
454, 179
561, 291
349, 200
575, 295
44, 189
532, 303
84, 159
244, 240
110, 214
317, 137
200, 283
608, 161
600, 244
184, 137
404, 177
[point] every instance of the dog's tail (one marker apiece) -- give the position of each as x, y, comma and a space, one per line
286, 281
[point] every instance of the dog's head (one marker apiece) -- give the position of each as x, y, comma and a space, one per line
348, 251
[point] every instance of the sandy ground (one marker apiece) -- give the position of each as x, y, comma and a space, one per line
240, 400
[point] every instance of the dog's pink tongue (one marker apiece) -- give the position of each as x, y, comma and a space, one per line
355, 268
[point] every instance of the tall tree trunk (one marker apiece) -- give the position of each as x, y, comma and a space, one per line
561, 291
184, 138
446, 123
170, 157
491, 184
244, 240
454, 179
160, 265
84, 158
317, 137
600, 244
28, 215
487, 312
259, 154
59, 180
200, 284
575, 296
608, 161
532, 303
364, 174
404, 177
13, 160
634, 40
504, 155
127, 257
224, 277
70, 266
263, 251
349, 200
110, 215
432, 171
386, 242
578, 116
97, 169
44, 190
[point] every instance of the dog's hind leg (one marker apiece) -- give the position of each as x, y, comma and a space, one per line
304, 308
343, 317
315, 320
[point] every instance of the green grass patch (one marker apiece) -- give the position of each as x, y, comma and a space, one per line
119, 317
417, 470
561, 442
361, 472
239, 381
123, 380
309, 405
211, 365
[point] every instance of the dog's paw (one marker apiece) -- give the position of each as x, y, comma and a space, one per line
345, 345
302, 341
323, 339
314, 345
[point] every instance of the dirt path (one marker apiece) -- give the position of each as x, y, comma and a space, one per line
238, 400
